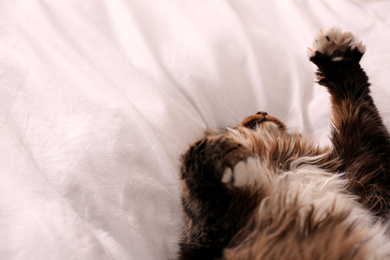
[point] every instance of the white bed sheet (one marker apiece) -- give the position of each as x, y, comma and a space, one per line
98, 99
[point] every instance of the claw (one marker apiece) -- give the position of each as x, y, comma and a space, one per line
342, 39
361, 47
310, 49
322, 33
320, 78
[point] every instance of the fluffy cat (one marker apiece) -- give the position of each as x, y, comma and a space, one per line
255, 191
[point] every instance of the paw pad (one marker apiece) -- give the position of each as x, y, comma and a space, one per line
243, 173
335, 41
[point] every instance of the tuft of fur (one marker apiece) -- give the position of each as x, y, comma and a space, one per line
256, 191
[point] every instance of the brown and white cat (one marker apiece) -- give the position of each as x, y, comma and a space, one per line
255, 191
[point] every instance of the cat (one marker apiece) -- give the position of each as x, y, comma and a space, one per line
256, 191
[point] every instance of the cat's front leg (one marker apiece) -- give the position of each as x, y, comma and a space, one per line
214, 171
360, 140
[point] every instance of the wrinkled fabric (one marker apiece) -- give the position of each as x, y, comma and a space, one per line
98, 99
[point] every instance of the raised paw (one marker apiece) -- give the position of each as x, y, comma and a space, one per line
334, 45
244, 173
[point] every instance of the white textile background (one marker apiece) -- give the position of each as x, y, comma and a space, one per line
98, 99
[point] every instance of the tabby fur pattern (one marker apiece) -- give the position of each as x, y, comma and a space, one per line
256, 191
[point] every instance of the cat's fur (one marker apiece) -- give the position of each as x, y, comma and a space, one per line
255, 191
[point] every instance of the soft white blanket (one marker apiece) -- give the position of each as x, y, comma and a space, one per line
98, 99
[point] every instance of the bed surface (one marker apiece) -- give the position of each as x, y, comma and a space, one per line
98, 99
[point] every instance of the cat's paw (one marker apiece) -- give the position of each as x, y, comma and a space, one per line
207, 158
244, 173
334, 45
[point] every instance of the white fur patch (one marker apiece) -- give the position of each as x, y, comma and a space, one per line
244, 172
315, 187
227, 175
335, 39
307, 185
